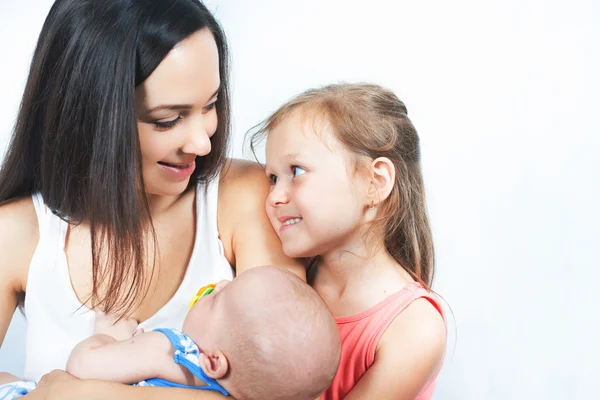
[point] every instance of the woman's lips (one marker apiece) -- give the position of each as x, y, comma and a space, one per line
178, 171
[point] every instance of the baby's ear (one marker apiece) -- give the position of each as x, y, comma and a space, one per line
214, 364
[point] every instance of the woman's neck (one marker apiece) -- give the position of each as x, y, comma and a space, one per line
161, 204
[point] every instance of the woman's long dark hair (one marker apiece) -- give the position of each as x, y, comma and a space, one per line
76, 138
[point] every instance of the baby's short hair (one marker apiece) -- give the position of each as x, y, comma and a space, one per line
283, 342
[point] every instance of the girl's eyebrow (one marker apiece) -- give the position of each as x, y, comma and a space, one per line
292, 156
288, 157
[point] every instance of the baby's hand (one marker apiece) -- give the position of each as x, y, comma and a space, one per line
108, 325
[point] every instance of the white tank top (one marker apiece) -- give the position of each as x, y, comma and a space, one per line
56, 319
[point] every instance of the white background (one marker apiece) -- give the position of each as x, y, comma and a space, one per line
506, 100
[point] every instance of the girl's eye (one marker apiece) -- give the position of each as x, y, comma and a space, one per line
167, 124
273, 179
297, 171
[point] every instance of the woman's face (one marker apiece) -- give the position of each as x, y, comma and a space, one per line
176, 113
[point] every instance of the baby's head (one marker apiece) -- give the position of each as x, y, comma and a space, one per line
267, 334
344, 165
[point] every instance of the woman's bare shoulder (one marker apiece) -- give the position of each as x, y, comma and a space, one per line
243, 187
19, 235
246, 233
237, 172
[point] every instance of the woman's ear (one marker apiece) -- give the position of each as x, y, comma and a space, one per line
383, 178
215, 365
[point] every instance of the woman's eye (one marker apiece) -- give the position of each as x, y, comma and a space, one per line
211, 106
167, 124
273, 179
297, 171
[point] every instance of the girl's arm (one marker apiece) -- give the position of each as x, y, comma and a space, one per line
409, 355
18, 239
247, 235
145, 356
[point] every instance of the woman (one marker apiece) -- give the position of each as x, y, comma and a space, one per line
115, 192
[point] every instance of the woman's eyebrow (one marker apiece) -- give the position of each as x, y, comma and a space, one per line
178, 107
175, 107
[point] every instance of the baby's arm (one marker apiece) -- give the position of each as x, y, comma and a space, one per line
113, 354
145, 356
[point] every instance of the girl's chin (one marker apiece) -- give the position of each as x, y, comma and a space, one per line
295, 252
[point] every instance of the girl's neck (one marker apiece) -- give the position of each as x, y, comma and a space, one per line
351, 282
345, 269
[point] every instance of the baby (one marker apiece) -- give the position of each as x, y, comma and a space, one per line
264, 335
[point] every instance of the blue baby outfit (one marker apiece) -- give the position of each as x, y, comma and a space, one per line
187, 355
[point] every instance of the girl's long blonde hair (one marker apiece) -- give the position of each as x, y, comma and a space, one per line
370, 121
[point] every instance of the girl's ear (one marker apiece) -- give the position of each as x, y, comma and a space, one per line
383, 177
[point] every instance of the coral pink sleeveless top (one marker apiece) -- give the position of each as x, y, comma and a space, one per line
361, 333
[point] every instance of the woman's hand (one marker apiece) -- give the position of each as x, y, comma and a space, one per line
59, 385
56, 385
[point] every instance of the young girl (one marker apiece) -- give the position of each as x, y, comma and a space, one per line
347, 190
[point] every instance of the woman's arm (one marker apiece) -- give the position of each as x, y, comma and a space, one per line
247, 235
409, 355
59, 385
18, 239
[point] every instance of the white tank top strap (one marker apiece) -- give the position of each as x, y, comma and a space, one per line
51, 227
40, 208
206, 211
46, 260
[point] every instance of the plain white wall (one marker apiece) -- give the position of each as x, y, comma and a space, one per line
504, 96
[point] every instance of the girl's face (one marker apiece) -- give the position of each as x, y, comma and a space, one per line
316, 204
176, 113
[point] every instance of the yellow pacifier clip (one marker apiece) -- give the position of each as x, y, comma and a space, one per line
204, 290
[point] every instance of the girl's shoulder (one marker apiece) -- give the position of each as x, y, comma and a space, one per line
415, 341
420, 319
421, 324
